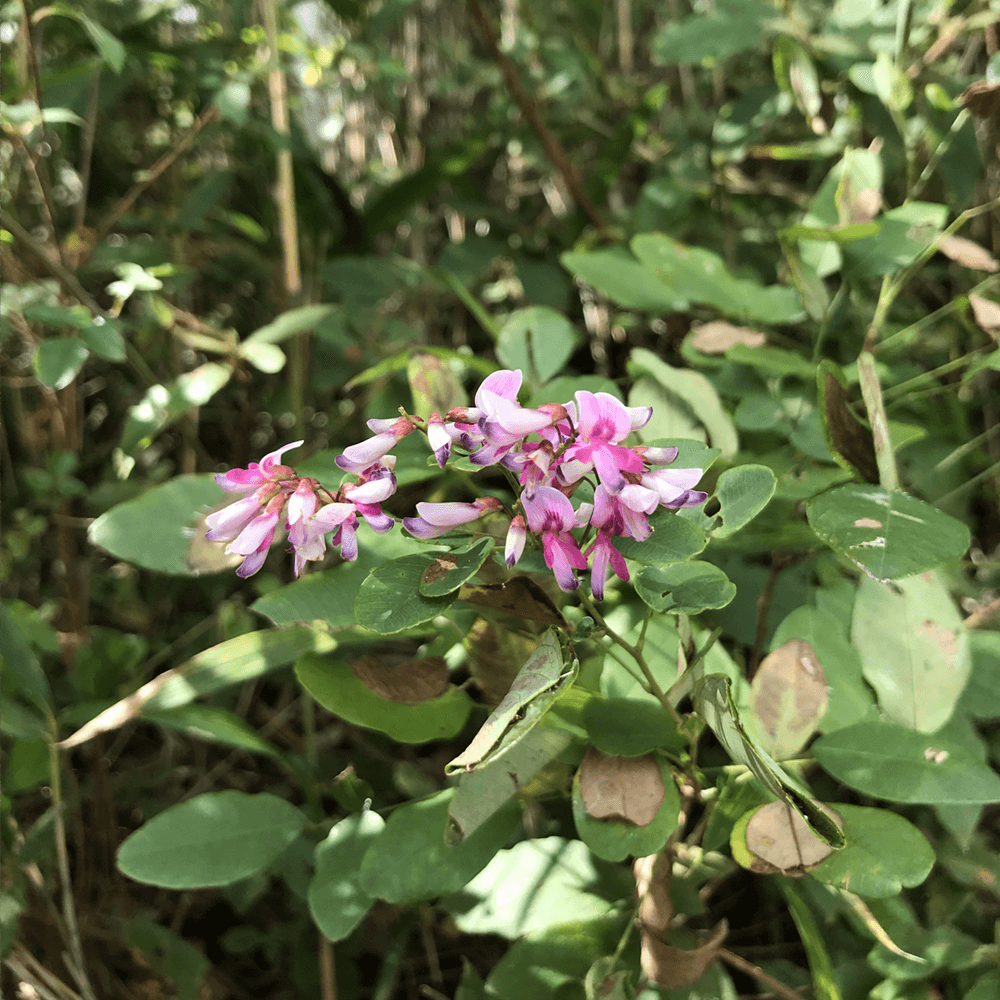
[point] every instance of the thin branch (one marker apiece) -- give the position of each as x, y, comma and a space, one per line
530, 110
762, 977
152, 175
87, 149
982, 615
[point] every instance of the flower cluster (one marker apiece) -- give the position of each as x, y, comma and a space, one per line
550, 451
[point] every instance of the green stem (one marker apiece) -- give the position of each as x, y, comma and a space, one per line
893, 393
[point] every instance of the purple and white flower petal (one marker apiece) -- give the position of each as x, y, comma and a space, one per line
439, 439
514, 546
562, 556
253, 562
359, 457
548, 510
657, 456
224, 525
377, 521
439, 518
639, 415
347, 538
604, 553
257, 474
303, 502
259, 532
674, 486
374, 491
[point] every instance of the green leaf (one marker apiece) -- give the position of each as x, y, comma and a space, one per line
163, 404
207, 722
626, 727
981, 697
110, 48
851, 699
696, 392
233, 101
562, 389
538, 340
336, 900
23, 672
892, 85
534, 885
482, 792
888, 535
714, 702
103, 338
914, 648
389, 600
126, 530
772, 361
743, 493
334, 684
624, 280
410, 862
820, 964
450, 570
903, 234
703, 277
884, 853
615, 840
213, 839
730, 26
673, 540
267, 358
889, 762
290, 323
58, 360
684, 588
535, 689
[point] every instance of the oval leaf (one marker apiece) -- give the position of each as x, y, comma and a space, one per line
58, 360
673, 540
213, 839
888, 535
390, 599
449, 570
337, 687
743, 493
684, 588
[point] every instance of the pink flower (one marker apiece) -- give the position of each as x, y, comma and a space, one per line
624, 513
359, 457
602, 422
438, 438
245, 480
502, 422
604, 553
516, 536
549, 512
439, 518
673, 486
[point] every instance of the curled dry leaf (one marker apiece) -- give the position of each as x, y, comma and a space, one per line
652, 885
718, 336
674, 968
968, 253
986, 313
982, 98
622, 788
410, 682
782, 843
789, 696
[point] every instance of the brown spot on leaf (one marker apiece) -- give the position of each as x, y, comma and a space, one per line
439, 567
410, 682
622, 788
942, 638
782, 842
718, 336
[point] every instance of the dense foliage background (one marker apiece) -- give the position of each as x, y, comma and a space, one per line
228, 225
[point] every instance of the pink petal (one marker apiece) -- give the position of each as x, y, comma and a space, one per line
504, 383
259, 532
334, 514
347, 538
303, 502
548, 510
224, 525
447, 515
374, 491
514, 547
420, 528
639, 415
361, 456
242, 480
562, 556
602, 417
657, 456
253, 562
639, 498
270, 460
670, 484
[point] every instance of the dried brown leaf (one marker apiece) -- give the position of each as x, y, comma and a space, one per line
789, 696
782, 843
652, 884
982, 98
986, 313
410, 682
519, 596
849, 438
718, 336
623, 788
968, 253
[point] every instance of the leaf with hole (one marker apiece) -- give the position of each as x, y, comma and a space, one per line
684, 588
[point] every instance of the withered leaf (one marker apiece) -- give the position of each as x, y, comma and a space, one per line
718, 336
623, 788
782, 843
519, 596
986, 313
968, 253
653, 875
982, 98
849, 440
674, 968
413, 681
789, 696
